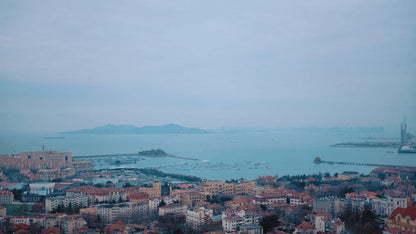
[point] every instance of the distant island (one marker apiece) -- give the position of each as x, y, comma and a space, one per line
153, 152
112, 129
161, 153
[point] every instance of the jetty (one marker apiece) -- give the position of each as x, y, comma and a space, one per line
318, 160
129, 154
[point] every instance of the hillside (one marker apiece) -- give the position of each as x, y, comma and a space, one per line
131, 129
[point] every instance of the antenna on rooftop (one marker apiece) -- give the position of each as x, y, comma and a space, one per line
43, 147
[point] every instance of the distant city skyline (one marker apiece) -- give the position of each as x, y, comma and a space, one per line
75, 65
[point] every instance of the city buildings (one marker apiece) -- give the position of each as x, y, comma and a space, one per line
107, 202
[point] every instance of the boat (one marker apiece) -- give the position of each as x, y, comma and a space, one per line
407, 149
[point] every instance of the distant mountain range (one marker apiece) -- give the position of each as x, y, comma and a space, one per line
131, 129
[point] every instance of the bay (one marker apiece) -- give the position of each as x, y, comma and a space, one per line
222, 156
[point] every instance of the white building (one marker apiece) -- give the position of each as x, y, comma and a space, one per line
20, 219
42, 189
398, 201
199, 216
176, 208
232, 219
381, 207
113, 213
75, 201
155, 202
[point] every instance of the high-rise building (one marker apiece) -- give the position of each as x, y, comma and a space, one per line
403, 132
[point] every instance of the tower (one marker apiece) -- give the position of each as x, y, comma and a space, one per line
403, 132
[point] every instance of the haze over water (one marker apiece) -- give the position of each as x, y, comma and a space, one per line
224, 155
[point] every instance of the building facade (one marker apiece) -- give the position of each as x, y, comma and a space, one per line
198, 217
74, 202
6, 197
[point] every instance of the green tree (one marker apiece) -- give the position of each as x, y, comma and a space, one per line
162, 203
269, 223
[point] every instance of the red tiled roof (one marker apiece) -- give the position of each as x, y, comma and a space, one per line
51, 231
5, 192
353, 196
233, 217
404, 212
408, 169
305, 226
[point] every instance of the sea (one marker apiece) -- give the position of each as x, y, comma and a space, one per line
222, 155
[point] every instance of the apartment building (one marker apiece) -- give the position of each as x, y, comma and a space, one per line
198, 217
75, 201
225, 188
114, 212
66, 223
97, 195
381, 207
42, 189
6, 197
175, 208
232, 220
189, 197
72, 223
155, 202
3, 211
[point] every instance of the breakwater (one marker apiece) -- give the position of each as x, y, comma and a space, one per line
318, 160
130, 154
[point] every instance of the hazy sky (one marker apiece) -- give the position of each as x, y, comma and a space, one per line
66, 65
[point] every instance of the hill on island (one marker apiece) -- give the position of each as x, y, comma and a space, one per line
131, 129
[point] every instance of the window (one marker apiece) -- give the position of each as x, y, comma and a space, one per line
29, 156
66, 158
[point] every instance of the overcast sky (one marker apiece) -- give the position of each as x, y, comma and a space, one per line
66, 65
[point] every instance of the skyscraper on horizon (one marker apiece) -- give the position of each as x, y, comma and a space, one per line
403, 132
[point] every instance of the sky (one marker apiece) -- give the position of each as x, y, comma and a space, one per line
67, 65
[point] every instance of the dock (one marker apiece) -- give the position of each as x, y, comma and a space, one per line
319, 160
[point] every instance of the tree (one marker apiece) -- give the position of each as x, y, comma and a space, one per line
364, 222
170, 224
269, 223
263, 207
17, 193
34, 228
162, 203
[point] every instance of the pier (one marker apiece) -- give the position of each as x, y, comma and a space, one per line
130, 154
319, 160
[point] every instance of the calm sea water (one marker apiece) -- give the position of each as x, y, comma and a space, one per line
223, 155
